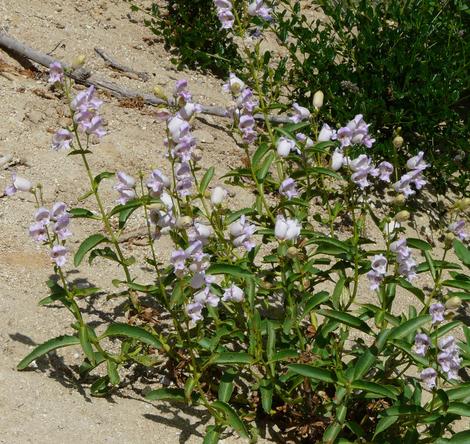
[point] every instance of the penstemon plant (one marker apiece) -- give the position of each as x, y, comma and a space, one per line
263, 309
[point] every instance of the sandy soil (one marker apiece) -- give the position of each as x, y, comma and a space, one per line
47, 404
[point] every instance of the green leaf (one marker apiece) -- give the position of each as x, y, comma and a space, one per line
232, 418
113, 374
418, 244
85, 343
403, 283
454, 283
166, 394
266, 389
462, 392
259, 154
261, 174
408, 327
82, 213
444, 329
100, 387
212, 435
337, 292
374, 388
384, 423
309, 371
131, 331
87, 245
401, 410
314, 301
46, 347
345, 318
284, 355
460, 438
232, 358
232, 217
232, 270
459, 408
101, 176
206, 180
364, 363
462, 252
226, 385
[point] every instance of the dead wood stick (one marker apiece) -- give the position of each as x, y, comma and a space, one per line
120, 67
86, 77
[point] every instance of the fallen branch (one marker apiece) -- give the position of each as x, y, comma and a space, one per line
86, 77
118, 66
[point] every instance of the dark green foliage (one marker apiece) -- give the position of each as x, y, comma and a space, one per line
403, 64
192, 31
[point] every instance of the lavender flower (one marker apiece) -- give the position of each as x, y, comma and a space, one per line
42, 216
59, 255
38, 232
344, 135
300, 113
157, 183
178, 260
206, 297
125, 187
449, 358
458, 228
286, 229
383, 171
241, 232
247, 127
284, 146
421, 345
61, 227
194, 311
379, 269
428, 376
257, 8
307, 141
56, 73
416, 165
337, 159
18, 184
437, 312
361, 167
233, 293
224, 13
406, 264
62, 140
288, 188
326, 133
233, 85
59, 209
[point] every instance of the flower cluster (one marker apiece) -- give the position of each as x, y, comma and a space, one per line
414, 176
56, 73
58, 219
449, 358
125, 187
163, 217
356, 132
85, 107
378, 271
300, 113
224, 13
257, 8
286, 229
406, 263
243, 107
241, 232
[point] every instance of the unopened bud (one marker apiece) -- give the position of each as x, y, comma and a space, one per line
79, 61
449, 239
196, 155
402, 216
463, 204
292, 252
398, 142
158, 91
318, 99
218, 195
399, 200
453, 303
184, 222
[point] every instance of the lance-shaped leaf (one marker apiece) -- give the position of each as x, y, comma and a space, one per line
88, 244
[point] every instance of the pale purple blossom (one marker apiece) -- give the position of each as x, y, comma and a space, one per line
288, 188
259, 9
458, 228
157, 183
421, 345
326, 133
307, 141
59, 255
125, 187
417, 162
449, 358
344, 135
300, 113
378, 271
233, 293
18, 184
178, 260
414, 176
56, 73
61, 227
286, 229
42, 216
428, 376
383, 171
194, 311
406, 263
284, 146
241, 232
437, 312
247, 127
224, 13
233, 85
337, 159
206, 297
361, 167
38, 232
62, 139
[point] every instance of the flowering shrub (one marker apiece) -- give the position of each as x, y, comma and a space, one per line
266, 314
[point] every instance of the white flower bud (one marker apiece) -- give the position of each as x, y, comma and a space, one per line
337, 160
398, 142
318, 99
22, 184
218, 195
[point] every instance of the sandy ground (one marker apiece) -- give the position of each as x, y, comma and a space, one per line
47, 404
